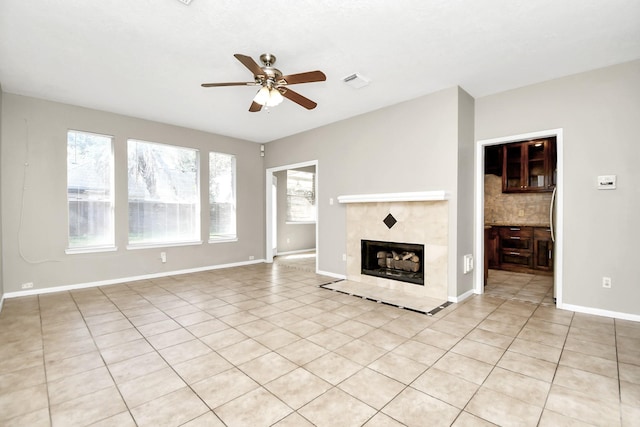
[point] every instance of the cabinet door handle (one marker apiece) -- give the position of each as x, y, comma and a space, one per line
549, 254
515, 237
514, 253
514, 228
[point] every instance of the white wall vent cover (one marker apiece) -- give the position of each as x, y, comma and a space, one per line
187, 2
356, 80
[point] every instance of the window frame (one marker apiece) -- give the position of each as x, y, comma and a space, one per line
111, 246
234, 180
197, 240
290, 221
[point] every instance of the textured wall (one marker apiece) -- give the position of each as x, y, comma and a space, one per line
505, 208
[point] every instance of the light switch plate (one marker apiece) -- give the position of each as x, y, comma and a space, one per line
606, 182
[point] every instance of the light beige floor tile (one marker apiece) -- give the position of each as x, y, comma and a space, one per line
125, 351
224, 387
225, 338
490, 338
135, 367
353, 328
115, 338
293, 420
298, 387
277, 338
553, 419
336, 408
74, 386
479, 351
537, 350
103, 328
184, 351
630, 393
22, 378
412, 407
382, 420
597, 386
267, 367
256, 408
383, 339
256, 328
526, 365
332, 368
243, 351
546, 338
446, 387
123, 419
503, 410
437, 339
524, 388
39, 418
605, 351
22, 401
208, 419
150, 386
630, 415
372, 388
360, 352
465, 419
464, 367
88, 409
207, 327
574, 404
502, 328
419, 352
593, 364
172, 409
398, 367
630, 373
168, 339
330, 339
302, 352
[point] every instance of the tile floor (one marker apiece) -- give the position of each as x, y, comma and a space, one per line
263, 345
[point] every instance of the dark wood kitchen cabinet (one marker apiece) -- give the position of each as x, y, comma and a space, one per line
529, 166
523, 249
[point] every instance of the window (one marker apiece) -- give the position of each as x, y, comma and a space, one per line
222, 197
89, 191
301, 196
164, 195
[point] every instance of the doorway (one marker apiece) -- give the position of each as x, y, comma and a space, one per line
272, 212
480, 220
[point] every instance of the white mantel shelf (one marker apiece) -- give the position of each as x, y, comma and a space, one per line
418, 196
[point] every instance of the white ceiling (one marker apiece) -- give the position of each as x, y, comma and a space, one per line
147, 58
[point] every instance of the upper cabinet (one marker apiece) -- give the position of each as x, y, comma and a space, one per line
529, 166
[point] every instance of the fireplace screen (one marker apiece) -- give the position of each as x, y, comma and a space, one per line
397, 261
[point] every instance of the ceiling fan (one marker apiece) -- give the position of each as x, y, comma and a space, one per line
273, 84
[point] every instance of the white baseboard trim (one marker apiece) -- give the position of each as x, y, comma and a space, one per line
127, 279
600, 312
300, 251
462, 297
334, 275
1, 302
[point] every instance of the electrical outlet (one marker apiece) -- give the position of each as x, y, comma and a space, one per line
344, 257
468, 263
27, 285
163, 256
606, 282
251, 258
521, 212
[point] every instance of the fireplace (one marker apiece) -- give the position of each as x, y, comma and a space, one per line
396, 261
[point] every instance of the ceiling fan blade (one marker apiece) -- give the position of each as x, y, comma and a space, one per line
255, 107
228, 84
297, 98
308, 77
248, 62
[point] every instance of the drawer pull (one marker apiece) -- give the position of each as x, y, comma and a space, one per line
514, 238
514, 229
514, 253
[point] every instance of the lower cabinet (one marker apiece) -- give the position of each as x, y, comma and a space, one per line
522, 249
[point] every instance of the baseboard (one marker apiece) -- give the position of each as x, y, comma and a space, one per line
334, 275
1, 302
295, 252
600, 312
462, 297
126, 279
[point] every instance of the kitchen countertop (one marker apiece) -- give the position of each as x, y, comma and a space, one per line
511, 224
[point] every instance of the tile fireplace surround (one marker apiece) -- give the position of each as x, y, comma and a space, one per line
422, 219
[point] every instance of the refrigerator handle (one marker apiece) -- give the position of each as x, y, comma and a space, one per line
551, 209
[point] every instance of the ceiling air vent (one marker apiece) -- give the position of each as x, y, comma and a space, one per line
187, 2
356, 81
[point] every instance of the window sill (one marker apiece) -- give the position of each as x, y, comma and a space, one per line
74, 251
162, 245
300, 222
230, 240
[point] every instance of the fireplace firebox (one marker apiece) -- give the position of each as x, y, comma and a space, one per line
396, 261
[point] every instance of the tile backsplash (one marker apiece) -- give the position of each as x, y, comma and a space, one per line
505, 208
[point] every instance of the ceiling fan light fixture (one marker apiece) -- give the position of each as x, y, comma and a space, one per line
268, 96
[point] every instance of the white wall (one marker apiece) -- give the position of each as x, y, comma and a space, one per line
599, 112
35, 251
1, 257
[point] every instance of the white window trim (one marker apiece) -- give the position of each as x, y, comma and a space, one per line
162, 245
229, 240
89, 250
300, 222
